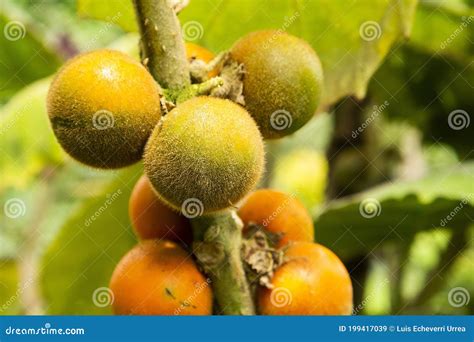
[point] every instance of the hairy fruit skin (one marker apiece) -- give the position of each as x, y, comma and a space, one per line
159, 278
103, 106
208, 151
278, 213
152, 219
313, 282
283, 81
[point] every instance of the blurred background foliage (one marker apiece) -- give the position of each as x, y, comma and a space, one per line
400, 87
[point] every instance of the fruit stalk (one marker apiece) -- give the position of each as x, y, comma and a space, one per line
162, 45
217, 237
217, 246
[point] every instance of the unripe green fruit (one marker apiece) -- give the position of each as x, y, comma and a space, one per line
282, 83
103, 106
204, 156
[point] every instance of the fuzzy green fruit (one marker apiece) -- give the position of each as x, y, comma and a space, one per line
103, 106
204, 156
282, 82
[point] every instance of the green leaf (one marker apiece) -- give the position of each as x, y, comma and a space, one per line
9, 304
445, 28
119, 12
84, 254
24, 56
26, 140
332, 27
395, 212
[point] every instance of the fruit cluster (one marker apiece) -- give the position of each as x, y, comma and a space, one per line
202, 155
159, 277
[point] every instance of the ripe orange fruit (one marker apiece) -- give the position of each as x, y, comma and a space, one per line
152, 219
159, 278
103, 106
278, 213
194, 51
313, 282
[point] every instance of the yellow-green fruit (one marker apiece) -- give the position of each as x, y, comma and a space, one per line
282, 83
103, 106
204, 156
303, 173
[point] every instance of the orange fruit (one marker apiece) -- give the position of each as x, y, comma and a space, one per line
194, 51
159, 278
152, 219
103, 106
314, 281
278, 213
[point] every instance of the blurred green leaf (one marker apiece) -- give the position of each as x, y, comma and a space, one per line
445, 28
9, 304
351, 39
27, 144
83, 256
119, 12
395, 212
24, 57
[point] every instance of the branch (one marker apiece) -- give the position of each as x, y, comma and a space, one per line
217, 245
218, 237
162, 45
